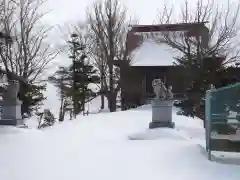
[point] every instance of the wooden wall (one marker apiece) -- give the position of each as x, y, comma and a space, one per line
136, 81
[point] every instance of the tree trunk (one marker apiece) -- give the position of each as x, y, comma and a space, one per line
102, 84
21, 96
83, 106
112, 101
63, 113
70, 114
61, 117
102, 101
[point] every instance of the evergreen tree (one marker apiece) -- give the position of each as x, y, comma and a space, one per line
32, 97
83, 73
62, 80
73, 81
200, 74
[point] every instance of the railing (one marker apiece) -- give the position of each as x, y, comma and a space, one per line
222, 116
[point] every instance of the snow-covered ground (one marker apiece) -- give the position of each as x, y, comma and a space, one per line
52, 102
99, 146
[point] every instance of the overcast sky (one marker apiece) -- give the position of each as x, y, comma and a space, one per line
144, 10
65, 10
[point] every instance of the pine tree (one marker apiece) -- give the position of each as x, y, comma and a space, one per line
83, 73
73, 81
31, 96
200, 74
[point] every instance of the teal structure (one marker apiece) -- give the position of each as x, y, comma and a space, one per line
222, 119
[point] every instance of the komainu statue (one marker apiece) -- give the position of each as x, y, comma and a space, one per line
161, 91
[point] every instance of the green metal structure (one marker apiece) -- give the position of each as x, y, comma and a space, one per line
222, 116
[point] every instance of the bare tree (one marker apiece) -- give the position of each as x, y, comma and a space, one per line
222, 35
221, 22
30, 52
109, 26
98, 59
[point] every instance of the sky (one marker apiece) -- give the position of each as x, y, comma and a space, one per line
144, 10
68, 10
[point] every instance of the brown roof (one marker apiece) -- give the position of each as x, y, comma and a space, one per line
192, 29
168, 27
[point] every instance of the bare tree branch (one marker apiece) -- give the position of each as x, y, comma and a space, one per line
108, 27
223, 29
31, 52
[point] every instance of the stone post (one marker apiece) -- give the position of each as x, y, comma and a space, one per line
162, 106
11, 106
161, 114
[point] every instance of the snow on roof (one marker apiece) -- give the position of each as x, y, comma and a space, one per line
150, 53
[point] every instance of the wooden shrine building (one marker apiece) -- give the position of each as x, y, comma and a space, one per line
150, 60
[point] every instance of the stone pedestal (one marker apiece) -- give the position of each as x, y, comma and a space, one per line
11, 113
161, 114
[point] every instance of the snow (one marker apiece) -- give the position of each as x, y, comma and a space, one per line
150, 53
94, 105
99, 146
52, 102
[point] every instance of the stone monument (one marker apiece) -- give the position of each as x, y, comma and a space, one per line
162, 105
11, 105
